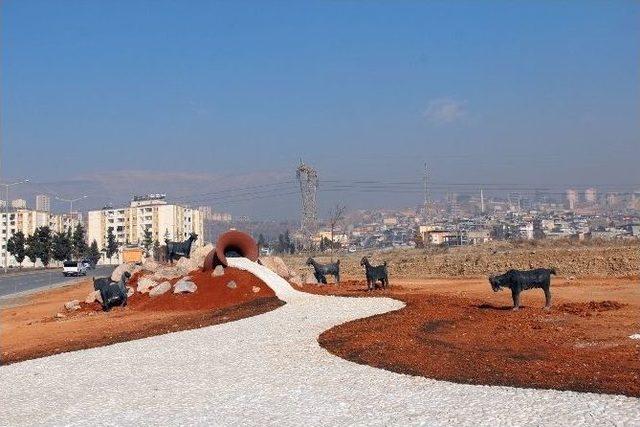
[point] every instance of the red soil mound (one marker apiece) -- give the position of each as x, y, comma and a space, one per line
588, 308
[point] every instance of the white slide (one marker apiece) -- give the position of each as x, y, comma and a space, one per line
270, 370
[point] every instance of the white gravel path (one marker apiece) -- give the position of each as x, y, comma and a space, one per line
269, 369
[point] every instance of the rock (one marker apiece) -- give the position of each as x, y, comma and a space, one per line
130, 267
151, 265
185, 266
218, 271
72, 305
130, 292
162, 288
145, 284
59, 316
277, 265
200, 253
232, 285
296, 280
93, 297
255, 289
166, 273
184, 285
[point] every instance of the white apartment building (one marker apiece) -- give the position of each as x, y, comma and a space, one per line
165, 220
27, 220
43, 203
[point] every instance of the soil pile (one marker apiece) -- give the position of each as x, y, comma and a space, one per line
586, 309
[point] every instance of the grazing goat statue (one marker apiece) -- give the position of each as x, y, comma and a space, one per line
519, 280
375, 274
177, 250
322, 270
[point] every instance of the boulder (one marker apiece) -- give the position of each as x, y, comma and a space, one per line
218, 271
200, 253
162, 288
151, 265
255, 289
232, 285
185, 266
130, 292
277, 265
72, 305
296, 280
130, 267
184, 285
166, 273
145, 284
93, 297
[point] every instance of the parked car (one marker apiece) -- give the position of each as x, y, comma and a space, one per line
74, 268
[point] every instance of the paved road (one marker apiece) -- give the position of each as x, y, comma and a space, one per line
12, 283
270, 370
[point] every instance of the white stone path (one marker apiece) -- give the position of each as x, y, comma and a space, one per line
270, 370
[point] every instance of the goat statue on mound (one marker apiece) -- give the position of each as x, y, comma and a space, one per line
177, 250
322, 270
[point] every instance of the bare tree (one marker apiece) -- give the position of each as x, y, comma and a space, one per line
336, 216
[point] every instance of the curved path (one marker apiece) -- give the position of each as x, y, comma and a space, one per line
269, 369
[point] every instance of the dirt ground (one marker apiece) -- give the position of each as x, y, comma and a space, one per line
30, 328
459, 330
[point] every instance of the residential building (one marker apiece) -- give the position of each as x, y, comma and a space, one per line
43, 203
149, 212
572, 198
19, 204
591, 195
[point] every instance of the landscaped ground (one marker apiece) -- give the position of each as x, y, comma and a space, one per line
30, 329
461, 331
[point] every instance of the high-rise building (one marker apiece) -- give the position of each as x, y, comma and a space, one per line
572, 198
150, 212
43, 203
591, 195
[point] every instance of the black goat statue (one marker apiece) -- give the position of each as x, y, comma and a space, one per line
322, 270
375, 274
177, 250
519, 280
113, 294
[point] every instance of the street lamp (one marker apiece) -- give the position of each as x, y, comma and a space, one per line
70, 201
6, 218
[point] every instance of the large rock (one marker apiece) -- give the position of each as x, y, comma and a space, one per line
93, 297
184, 285
200, 253
72, 305
151, 265
162, 288
232, 285
218, 271
166, 273
185, 266
130, 267
145, 284
277, 265
130, 292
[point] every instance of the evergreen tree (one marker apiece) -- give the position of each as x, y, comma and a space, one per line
112, 244
61, 248
261, 241
156, 250
147, 241
78, 242
32, 248
39, 245
93, 253
16, 247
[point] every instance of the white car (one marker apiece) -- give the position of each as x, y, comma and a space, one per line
74, 268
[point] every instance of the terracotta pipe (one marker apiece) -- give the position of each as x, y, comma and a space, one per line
231, 243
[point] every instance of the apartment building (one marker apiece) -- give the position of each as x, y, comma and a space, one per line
152, 212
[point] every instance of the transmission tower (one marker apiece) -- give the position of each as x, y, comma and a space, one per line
426, 205
308, 179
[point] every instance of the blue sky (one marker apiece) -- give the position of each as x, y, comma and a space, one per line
536, 93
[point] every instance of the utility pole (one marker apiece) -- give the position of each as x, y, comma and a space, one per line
308, 180
481, 201
6, 221
70, 201
426, 192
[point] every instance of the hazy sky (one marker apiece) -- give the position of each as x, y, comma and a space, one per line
534, 93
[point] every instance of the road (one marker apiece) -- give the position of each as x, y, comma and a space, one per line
12, 283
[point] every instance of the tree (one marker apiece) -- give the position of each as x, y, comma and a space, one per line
112, 244
147, 241
39, 245
336, 215
78, 242
93, 253
261, 241
417, 237
16, 247
61, 247
156, 250
288, 247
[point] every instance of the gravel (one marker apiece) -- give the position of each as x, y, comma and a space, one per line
269, 369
